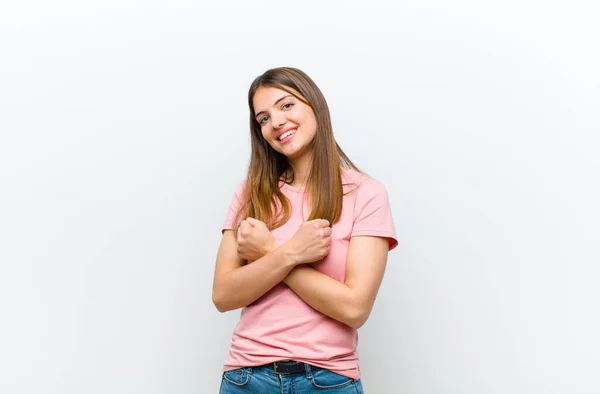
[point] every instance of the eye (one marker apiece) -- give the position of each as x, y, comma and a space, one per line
287, 106
262, 120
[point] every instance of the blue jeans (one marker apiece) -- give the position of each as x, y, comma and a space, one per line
263, 380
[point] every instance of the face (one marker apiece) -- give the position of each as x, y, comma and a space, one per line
286, 123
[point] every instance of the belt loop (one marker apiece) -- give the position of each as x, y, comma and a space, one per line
308, 370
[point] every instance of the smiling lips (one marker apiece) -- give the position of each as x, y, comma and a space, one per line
285, 135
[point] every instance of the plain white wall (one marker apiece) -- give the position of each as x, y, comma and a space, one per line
124, 131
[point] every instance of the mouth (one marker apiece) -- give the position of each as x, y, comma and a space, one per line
287, 134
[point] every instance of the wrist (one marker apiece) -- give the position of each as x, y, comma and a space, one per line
266, 249
272, 247
289, 256
290, 276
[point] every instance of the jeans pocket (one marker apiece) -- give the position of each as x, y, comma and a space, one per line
326, 379
238, 377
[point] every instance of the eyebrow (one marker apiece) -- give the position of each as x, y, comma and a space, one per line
274, 104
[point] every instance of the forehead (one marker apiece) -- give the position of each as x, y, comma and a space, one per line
265, 97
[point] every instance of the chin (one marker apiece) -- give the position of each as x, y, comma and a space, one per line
295, 154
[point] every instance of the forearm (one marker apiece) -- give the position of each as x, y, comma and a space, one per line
325, 294
244, 285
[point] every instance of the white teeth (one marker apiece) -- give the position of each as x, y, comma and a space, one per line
282, 136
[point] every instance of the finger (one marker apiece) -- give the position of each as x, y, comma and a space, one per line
253, 222
245, 227
320, 222
327, 231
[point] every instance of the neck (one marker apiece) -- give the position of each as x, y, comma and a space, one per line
301, 167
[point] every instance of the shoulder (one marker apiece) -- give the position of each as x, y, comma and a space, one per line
238, 195
362, 184
239, 190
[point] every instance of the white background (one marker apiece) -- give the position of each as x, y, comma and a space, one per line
124, 131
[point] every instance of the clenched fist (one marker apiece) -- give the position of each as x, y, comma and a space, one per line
254, 239
310, 243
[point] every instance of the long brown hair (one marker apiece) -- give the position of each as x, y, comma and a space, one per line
267, 166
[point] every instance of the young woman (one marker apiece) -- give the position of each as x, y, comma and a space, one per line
304, 248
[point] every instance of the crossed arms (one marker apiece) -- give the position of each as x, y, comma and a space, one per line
237, 284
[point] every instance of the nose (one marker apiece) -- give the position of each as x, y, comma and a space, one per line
277, 120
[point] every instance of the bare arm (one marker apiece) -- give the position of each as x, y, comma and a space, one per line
237, 284
350, 302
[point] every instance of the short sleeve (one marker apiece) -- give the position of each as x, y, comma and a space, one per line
234, 206
372, 213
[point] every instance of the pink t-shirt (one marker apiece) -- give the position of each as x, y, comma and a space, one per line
280, 325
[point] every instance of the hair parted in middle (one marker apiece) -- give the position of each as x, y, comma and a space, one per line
262, 199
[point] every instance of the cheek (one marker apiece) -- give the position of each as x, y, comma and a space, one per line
312, 129
311, 122
265, 134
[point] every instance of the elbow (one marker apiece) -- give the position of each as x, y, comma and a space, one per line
225, 300
219, 302
221, 298
220, 307
356, 323
357, 317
